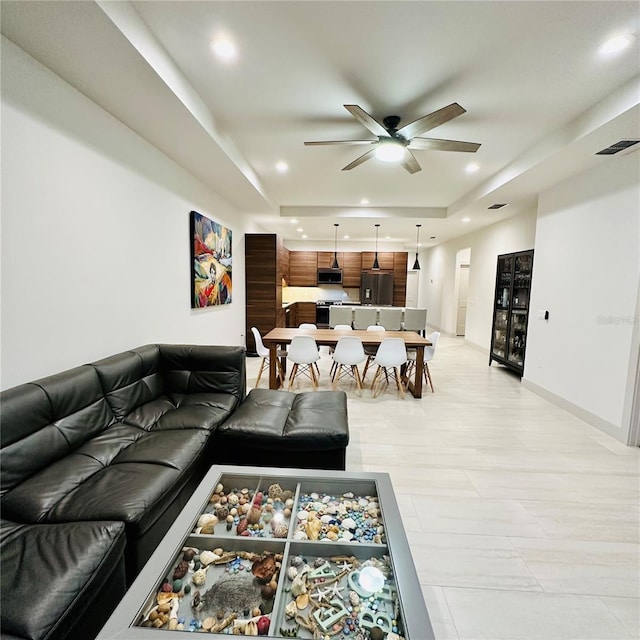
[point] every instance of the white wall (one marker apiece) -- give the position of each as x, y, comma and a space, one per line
95, 233
586, 273
439, 275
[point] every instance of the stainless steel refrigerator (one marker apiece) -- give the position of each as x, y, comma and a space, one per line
376, 288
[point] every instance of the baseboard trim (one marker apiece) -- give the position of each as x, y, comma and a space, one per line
607, 427
476, 346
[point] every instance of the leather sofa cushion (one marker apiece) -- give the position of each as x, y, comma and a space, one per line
52, 573
124, 474
131, 379
173, 386
189, 369
284, 420
178, 411
43, 421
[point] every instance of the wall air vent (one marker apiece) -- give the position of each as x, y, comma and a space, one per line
617, 147
498, 205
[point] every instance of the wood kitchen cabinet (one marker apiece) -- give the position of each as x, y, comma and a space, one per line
306, 312
283, 263
385, 259
349, 261
351, 268
325, 259
265, 266
303, 268
400, 279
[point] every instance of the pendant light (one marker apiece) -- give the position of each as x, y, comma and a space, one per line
335, 264
376, 264
416, 264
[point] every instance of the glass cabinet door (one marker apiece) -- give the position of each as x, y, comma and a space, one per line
517, 337
500, 333
505, 267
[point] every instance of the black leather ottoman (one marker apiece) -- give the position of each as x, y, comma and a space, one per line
285, 429
60, 581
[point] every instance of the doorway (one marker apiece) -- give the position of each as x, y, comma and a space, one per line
463, 288
413, 281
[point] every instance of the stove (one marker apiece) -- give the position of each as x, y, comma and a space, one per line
322, 312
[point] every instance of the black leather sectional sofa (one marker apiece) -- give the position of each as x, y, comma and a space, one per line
96, 463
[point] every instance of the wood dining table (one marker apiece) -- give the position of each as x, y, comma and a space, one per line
329, 337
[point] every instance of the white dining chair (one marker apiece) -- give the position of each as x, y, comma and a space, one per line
349, 353
390, 318
429, 352
262, 351
338, 327
391, 355
371, 350
310, 325
303, 353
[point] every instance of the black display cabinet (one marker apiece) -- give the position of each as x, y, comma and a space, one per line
511, 309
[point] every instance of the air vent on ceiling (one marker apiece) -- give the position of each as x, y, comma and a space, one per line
498, 205
617, 147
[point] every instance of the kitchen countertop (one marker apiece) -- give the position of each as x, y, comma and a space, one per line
344, 304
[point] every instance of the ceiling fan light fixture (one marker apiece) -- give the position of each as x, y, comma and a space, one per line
390, 151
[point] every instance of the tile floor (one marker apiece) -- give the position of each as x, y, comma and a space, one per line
523, 521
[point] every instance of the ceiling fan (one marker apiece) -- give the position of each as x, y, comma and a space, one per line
396, 144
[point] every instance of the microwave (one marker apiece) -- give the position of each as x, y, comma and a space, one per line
329, 276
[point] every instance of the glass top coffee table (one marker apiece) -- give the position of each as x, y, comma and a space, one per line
280, 553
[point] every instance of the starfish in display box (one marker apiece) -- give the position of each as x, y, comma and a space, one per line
345, 566
321, 594
335, 591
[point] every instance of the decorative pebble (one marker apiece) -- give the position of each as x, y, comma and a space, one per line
206, 518
199, 577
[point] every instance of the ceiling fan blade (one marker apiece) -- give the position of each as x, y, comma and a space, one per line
443, 145
410, 163
358, 161
431, 121
321, 142
366, 120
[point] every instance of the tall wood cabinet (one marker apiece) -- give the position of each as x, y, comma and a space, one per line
511, 309
266, 264
400, 279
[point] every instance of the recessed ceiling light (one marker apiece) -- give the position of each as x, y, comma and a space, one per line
364, 201
224, 48
293, 221
282, 167
299, 229
616, 44
346, 237
305, 235
466, 219
472, 168
387, 237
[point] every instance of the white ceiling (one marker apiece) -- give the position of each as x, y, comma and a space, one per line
539, 98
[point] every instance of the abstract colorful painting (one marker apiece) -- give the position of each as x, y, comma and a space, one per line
212, 264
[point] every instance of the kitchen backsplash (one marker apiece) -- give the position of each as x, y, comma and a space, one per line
327, 292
